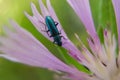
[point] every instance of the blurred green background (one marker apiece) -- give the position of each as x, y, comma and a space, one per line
103, 15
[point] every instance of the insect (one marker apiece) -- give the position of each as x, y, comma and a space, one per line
52, 28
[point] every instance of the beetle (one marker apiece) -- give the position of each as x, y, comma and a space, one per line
52, 28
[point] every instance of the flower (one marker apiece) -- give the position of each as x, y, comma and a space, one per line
38, 21
100, 58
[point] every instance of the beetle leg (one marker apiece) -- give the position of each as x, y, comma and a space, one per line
45, 29
47, 32
63, 37
42, 23
56, 23
51, 36
45, 26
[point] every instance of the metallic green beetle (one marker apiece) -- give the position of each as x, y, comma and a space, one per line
52, 28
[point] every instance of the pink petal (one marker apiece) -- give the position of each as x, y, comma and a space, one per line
22, 46
73, 51
82, 9
43, 9
116, 5
36, 13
